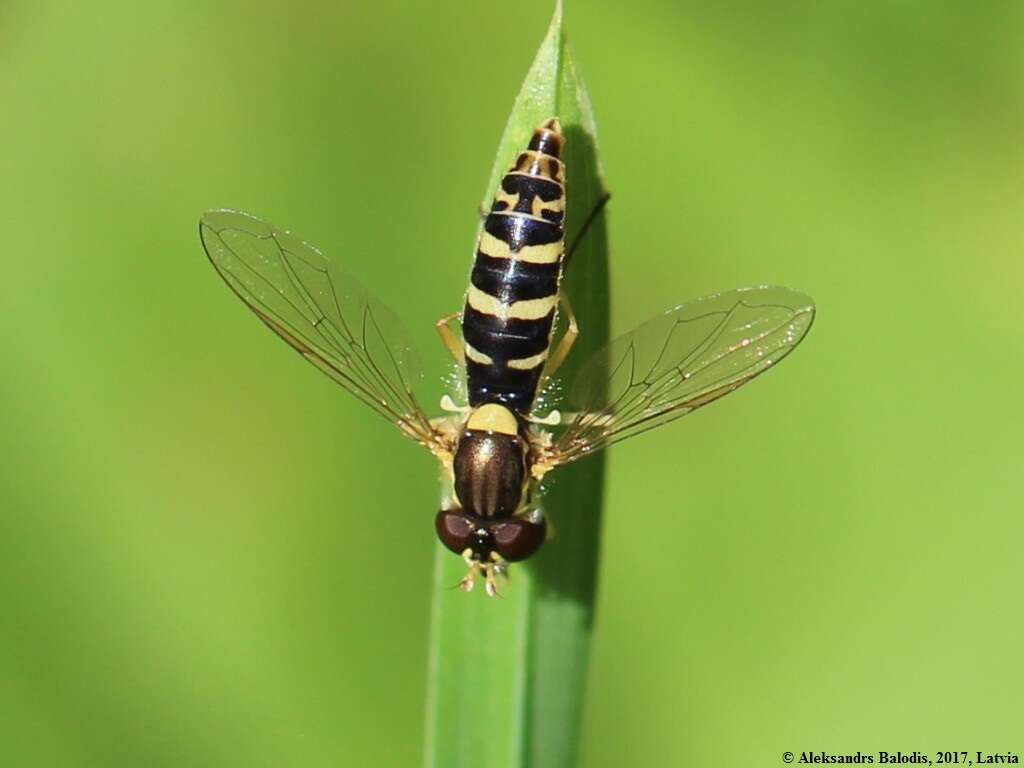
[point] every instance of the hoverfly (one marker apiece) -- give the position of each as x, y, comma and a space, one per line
496, 448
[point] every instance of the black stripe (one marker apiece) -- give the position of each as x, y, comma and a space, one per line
504, 340
511, 280
532, 186
547, 142
519, 231
514, 388
528, 188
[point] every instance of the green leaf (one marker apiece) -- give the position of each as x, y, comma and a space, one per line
506, 678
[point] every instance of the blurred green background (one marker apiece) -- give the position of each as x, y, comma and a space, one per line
211, 556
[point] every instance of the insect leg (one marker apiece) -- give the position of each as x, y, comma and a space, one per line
567, 340
469, 580
451, 341
553, 419
490, 580
598, 207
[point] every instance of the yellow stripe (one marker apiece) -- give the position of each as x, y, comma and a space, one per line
492, 417
530, 309
497, 248
528, 363
534, 163
477, 356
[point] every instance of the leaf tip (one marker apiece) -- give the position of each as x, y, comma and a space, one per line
555, 27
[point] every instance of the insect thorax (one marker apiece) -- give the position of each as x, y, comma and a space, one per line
490, 463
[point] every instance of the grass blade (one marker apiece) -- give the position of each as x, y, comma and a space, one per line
507, 677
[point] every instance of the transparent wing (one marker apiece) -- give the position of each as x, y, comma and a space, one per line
320, 311
677, 362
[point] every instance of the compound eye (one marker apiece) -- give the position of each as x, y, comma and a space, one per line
454, 529
518, 538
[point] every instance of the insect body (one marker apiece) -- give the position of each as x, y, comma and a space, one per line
507, 324
496, 449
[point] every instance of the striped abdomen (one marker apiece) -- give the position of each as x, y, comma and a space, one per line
513, 291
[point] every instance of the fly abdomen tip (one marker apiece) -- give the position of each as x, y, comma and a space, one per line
552, 124
548, 139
